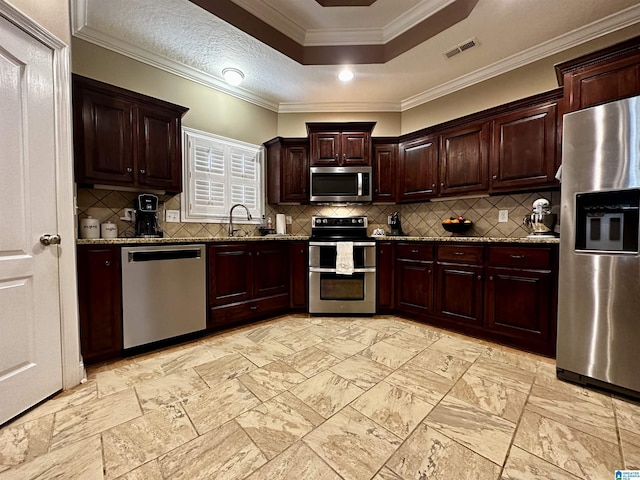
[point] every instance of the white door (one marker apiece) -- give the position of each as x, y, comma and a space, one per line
30, 328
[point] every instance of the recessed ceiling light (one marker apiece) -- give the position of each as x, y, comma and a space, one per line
345, 75
232, 76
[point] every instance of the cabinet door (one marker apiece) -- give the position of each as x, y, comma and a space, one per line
464, 160
384, 276
459, 292
230, 273
354, 148
294, 174
325, 149
604, 82
519, 305
270, 269
417, 169
103, 138
414, 286
523, 149
299, 278
99, 302
384, 172
159, 164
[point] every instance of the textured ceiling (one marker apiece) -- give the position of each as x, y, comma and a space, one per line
184, 39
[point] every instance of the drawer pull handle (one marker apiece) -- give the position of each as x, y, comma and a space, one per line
414, 251
255, 307
517, 256
458, 253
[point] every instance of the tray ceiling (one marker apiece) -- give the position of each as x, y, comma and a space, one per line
186, 39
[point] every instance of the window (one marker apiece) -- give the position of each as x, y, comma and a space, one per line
220, 172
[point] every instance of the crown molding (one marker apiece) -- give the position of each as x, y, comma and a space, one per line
412, 17
84, 32
617, 21
275, 18
338, 107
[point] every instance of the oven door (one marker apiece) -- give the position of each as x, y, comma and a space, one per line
322, 254
333, 293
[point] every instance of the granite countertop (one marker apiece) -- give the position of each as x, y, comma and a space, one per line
145, 241
167, 240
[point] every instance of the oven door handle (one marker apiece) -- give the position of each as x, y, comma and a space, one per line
334, 244
333, 270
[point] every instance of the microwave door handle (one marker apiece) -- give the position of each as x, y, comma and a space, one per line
359, 184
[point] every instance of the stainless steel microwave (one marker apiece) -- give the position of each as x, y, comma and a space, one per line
340, 184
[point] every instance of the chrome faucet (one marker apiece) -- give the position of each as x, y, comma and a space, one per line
231, 229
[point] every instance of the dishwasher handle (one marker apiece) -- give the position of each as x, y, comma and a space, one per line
159, 255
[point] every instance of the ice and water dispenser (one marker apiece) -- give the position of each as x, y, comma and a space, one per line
607, 221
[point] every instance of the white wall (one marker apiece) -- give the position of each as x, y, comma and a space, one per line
51, 14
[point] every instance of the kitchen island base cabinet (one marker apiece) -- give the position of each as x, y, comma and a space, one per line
247, 281
99, 302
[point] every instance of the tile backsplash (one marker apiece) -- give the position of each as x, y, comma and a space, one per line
418, 219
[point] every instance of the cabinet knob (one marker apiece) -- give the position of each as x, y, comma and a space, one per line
302, 251
491, 278
107, 263
129, 169
257, 254
442, 184
142, 171
433, 185
479, 277
495, 177
344, 156
429, 271
337, 156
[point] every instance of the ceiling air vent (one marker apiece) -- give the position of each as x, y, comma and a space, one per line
461, 48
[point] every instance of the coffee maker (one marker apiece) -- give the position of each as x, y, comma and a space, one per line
146, 206
541, 221
394, 223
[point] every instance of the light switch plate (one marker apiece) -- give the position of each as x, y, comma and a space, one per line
503, 216
172, 216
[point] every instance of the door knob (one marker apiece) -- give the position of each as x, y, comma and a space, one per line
47, 239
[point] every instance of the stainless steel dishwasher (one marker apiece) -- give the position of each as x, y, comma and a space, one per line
163, 292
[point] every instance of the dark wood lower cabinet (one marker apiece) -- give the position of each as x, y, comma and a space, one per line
247, 281
384, 277
459, 291
99, 302
299, 276
505, 293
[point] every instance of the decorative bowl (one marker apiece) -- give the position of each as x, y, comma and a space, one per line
459, 227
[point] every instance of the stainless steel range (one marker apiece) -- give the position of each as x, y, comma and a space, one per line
342, 266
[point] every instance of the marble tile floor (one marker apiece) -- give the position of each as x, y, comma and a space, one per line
301, 397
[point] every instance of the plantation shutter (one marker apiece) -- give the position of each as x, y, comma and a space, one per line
221, 173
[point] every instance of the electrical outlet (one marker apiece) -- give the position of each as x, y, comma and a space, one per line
288, 219
172, 216
503, 216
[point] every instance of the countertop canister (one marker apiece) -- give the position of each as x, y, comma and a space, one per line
89, 227
109, 230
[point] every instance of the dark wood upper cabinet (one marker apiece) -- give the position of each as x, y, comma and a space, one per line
384, 171
464, 160
123, 138
417, 169
523, 149
340, 144
287, 170
600, 77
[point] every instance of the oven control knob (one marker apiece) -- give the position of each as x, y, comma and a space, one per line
360, 220
324, 220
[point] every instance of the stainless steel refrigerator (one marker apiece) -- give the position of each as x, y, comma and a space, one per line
599, 278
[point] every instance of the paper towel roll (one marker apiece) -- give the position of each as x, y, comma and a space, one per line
281, 224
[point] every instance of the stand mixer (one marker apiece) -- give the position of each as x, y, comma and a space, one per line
541, 221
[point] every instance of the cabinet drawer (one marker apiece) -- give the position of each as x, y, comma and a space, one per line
414, 251
520, 257
242, 312
470, 254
